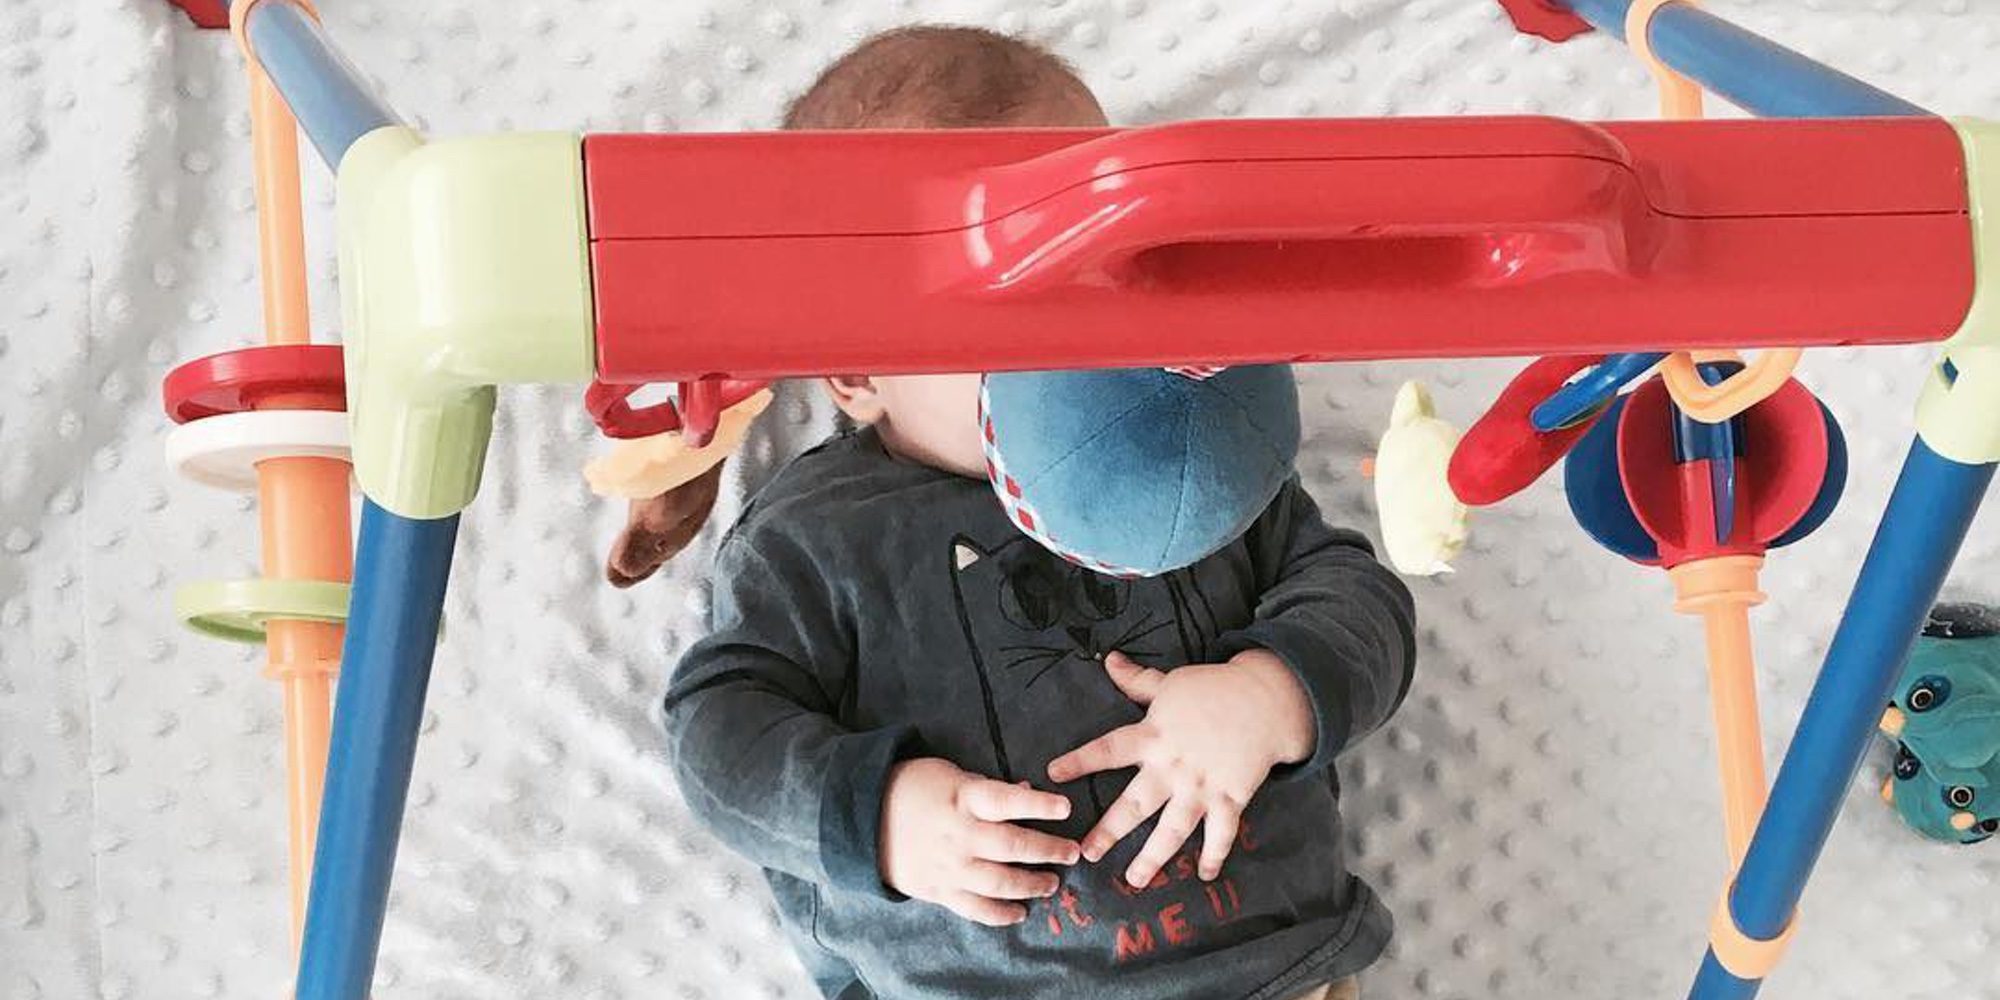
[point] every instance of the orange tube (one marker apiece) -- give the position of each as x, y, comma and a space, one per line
303, 507
281, 243
1722, 591
1680, 97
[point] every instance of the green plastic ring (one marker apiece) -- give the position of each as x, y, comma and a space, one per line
237, 610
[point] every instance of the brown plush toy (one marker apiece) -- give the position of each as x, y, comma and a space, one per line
658, 528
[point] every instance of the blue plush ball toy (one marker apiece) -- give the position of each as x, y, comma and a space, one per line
1139, 472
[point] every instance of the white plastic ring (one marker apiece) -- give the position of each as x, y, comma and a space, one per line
223, 451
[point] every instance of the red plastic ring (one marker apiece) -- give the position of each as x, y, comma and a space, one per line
205, 13
239, 381
1545, 19
696, 414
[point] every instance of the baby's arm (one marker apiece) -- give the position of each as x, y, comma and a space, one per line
763, 760
751, 722
1336, 616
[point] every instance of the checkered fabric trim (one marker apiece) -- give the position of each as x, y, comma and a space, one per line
1023, 513
1200, 373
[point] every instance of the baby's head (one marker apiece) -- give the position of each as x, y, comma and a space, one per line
921, 77
944, 77
937, 77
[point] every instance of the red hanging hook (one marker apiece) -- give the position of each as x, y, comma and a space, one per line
694, 411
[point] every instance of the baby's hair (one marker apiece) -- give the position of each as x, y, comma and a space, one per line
930, 76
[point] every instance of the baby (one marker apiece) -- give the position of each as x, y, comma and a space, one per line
971, 769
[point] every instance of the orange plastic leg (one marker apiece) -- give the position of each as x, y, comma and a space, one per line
303, 504
281, 244
1722, 591
308, 716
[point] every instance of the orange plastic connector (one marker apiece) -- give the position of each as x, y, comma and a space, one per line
1743, 956
1680, 97
1714, 404
1722, 591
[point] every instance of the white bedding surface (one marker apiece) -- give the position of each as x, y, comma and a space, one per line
1542, 816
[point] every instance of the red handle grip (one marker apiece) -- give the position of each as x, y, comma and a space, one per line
1471, 221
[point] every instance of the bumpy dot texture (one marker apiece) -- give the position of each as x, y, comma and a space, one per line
1542, 816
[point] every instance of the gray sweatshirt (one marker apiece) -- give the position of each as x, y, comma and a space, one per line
869, 610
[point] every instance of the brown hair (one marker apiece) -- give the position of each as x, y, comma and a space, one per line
931, 76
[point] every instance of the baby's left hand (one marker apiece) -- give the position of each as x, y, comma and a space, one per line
1211, 735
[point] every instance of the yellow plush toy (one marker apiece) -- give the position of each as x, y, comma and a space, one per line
1423, 524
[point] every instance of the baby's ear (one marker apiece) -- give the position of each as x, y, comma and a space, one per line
857, 396
657, 529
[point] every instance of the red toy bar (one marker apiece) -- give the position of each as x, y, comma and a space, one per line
1339, 240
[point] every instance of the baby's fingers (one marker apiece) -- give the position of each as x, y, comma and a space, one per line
1218, 836
1141, 799
1000, 802
997, 881
1010, 844
1175, 827
980, 910
1121, 747
1139, 683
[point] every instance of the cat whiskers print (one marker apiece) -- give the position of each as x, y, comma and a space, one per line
1037, 629
1082, 647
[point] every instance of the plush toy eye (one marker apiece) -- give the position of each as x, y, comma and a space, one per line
1929, 692
1906, 763
1959, 797
1990, 827
1031, 597
1103, 598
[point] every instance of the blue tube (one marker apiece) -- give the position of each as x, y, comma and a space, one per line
400, 569
327, 95
1919, 536
1591, 390
1745, 69
1714, 982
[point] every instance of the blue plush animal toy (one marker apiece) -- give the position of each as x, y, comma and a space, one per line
1946, 707
1955, 808
1945, 718
1195, 458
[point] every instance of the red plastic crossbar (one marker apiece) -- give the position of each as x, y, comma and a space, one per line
1262, 241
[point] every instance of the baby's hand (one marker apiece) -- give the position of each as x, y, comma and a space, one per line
1211, 735
949, 837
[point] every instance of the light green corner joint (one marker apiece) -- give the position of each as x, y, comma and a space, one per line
464, 264
1960, 418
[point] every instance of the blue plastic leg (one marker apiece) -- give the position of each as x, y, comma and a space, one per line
1745, 69
400, 569
326, 94
1919, 536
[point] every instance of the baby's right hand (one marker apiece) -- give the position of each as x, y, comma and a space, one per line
949, 837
